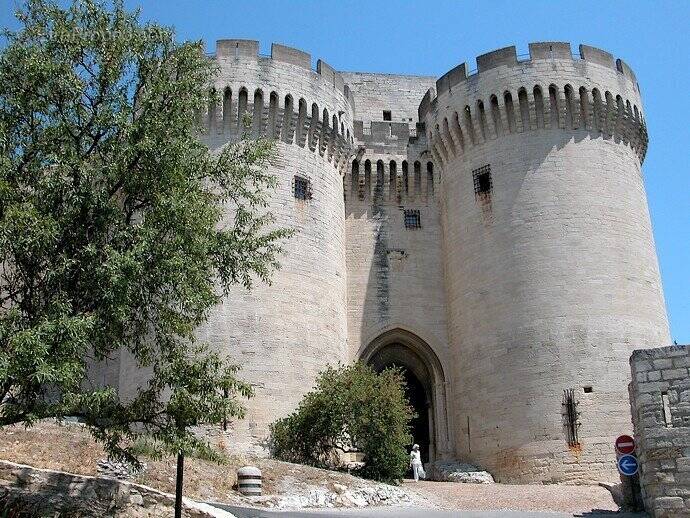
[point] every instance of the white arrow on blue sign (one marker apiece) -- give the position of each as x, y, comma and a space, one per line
628, 465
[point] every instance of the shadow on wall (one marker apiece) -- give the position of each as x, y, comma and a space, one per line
377, 195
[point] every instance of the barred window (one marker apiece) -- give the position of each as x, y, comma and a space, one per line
571, 417
482, 181
412, 219
302, 188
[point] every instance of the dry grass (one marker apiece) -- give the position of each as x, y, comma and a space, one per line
51, 446
70, 448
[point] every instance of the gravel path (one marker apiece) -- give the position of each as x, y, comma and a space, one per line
418, 512
555, 498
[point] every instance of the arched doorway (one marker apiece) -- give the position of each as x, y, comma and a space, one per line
426, 387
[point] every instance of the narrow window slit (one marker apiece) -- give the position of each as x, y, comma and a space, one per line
665, 403
571, 417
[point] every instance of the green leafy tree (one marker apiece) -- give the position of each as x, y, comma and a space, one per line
351, 408
119, 231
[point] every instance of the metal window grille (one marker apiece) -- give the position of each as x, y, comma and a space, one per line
482, 181
302, 188
571, 416
412, 219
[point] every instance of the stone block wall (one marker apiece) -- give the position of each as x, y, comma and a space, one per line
660, 404
283, 334
399, 94
550, 266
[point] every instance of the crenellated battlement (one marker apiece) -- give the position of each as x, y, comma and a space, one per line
287, 100
232, 49
551, 89
539, 51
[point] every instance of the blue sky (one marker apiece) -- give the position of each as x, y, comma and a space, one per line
429, 38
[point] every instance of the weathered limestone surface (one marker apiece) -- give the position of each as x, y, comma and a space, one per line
497, 301
660, 404
551, 276
458, 472
284, 334
399, 94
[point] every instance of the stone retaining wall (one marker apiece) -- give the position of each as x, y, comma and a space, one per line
660, 403
46, 492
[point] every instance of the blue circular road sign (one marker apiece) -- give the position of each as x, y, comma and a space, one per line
627, 465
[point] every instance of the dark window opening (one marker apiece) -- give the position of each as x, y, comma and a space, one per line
430, 178
666, 405
588, 389
387, 115
482, 181
302, 188
412, 219
570, 417
405, 178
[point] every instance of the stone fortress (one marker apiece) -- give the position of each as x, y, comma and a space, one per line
488, 231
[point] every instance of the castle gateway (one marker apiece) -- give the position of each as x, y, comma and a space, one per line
487, 231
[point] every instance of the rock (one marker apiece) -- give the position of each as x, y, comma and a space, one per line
135, 497
118, 470
361, 495
120, 497
453, 471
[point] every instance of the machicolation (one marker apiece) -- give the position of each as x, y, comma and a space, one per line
551, 90
286, 99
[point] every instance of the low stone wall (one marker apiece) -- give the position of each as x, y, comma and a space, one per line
46, 492
660, 404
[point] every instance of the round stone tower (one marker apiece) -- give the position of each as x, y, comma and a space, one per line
282, 335
551, 271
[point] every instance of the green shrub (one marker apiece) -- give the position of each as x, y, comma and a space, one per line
352, 408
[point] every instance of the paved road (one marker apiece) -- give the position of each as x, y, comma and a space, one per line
411, 512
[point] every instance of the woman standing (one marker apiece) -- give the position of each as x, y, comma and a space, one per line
416, 463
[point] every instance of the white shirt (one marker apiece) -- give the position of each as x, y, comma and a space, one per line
415, 457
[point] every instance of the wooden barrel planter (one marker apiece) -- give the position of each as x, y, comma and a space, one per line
249, 481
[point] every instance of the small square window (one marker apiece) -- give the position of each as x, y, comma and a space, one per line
412, 219
482, 181
302, 188
387, 115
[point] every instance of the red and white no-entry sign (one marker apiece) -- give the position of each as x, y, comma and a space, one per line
625, 444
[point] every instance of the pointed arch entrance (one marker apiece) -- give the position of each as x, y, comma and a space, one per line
426, 386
